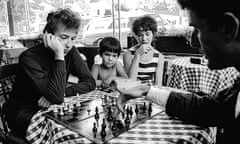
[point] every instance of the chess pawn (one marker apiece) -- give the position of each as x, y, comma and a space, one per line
65, 107
150, 109
136, 109
96, 109
78, 104
94, 129
88, 110
61, 113
103, 123
70, 107
144, 107
55, 110
103, 100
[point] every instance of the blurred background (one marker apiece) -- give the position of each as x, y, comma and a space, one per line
99, 17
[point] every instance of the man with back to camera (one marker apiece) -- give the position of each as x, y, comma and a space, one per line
44, 70
217, 24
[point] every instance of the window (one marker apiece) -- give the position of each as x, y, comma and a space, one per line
29, 16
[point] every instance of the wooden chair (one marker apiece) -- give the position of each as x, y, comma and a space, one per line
90, 53
7, 76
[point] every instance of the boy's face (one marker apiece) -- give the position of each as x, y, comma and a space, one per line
145, 37
67, 37
109, 59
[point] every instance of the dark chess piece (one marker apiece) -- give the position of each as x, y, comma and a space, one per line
94, 129
119, 124
96, 109
123, 114
127, 121
136, 109
109, 117
144, 107
88, 110
103, 124
114, 126
150, 109
109, 110
96, 116
130, 112
103, 134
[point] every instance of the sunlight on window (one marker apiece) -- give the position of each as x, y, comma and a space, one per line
29, 16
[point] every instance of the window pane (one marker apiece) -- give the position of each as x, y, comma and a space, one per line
29, 16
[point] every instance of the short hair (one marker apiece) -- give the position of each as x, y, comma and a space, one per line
144, 23
110, 44
211, 10
65, 16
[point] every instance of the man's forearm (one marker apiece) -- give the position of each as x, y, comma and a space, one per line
158, 95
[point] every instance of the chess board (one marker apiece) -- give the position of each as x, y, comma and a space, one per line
99, 119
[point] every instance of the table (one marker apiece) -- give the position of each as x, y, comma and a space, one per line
199, 78
161, 129
10, 55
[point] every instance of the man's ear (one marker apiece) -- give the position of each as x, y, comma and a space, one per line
230, 26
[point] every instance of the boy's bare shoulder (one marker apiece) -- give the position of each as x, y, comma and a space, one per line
96, 66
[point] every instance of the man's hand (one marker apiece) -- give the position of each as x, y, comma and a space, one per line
54, 43
127, 94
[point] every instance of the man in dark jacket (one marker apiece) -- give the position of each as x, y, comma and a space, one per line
44, 70
217, 24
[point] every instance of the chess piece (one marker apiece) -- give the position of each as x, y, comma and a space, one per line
114, 126
123, 114
103, 134
127, 121
96, 109
130, 112
104, 100
88, 110
119, 124
70, 108
78, 104
109, 117
103, 123
61, 113
150, 109
136, 109
94, 129
113, 102
109, 110
96, 116
144, 107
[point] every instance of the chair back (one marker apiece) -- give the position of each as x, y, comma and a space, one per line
90, 53
7, 76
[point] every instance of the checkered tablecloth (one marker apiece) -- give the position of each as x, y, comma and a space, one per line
161, 129
199, 78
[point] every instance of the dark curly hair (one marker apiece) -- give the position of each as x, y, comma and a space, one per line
144, 23
110, 44
211, 10
65, 16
